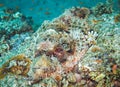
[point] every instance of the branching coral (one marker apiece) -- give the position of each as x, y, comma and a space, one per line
92, 37
17, 65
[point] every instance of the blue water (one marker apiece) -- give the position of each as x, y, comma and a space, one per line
42, 10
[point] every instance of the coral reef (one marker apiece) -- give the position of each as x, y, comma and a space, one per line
17, 65
117, 18
12, 26
80, 12
103, 8
77, 49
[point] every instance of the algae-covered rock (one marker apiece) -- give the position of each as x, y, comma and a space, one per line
17, 65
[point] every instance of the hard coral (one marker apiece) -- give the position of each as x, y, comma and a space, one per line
102, 8
80, 12
66, 19
117, 18
61, 26
18, 65
95, 49
58, 77
9, 10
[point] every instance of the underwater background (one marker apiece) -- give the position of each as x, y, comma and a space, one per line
59, 43
41, 10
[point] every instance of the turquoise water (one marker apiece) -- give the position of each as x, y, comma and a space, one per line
38, 8
41, 10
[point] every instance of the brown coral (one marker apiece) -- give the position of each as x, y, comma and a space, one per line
80, 12
117, 18
20, 67
61, 26
66, 20
95, 49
